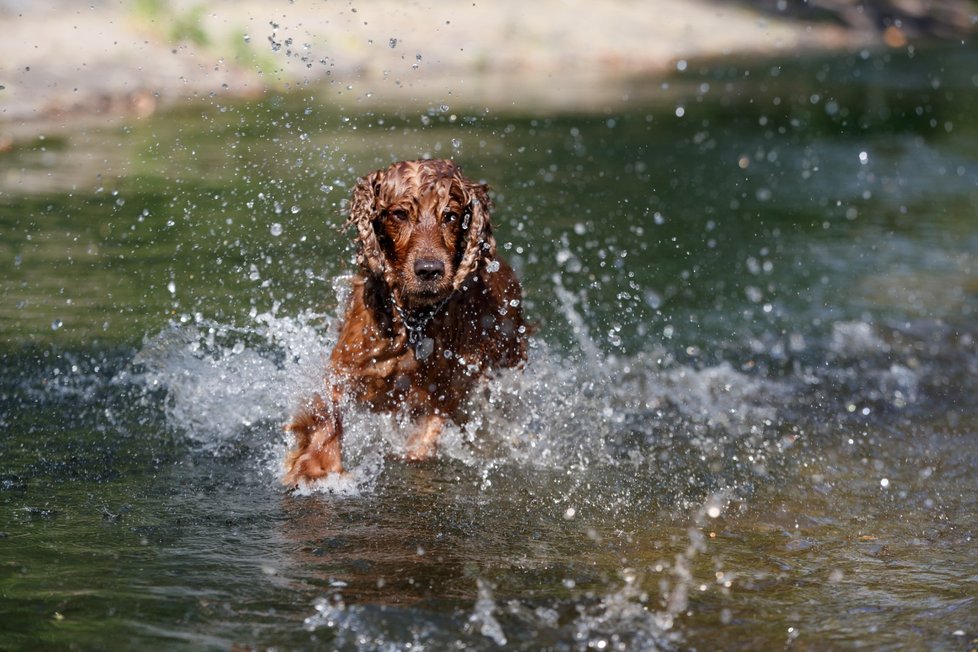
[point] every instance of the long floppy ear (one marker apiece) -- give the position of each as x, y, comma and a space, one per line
363, 210
480, 245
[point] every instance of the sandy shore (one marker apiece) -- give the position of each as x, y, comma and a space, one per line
63, 61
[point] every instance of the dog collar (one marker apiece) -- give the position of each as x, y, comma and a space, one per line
415, 325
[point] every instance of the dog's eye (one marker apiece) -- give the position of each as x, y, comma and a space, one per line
398, 214
449, 216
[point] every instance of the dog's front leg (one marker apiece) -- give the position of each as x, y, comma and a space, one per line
318, 431
422, 442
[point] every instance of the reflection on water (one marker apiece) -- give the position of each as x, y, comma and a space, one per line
748, 416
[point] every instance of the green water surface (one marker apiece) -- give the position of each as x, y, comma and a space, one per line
752, 397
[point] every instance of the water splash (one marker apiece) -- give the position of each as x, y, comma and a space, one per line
685, 431
621, 619
483, 617
221, 378
575, 410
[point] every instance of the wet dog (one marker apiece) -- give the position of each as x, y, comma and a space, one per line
433, 309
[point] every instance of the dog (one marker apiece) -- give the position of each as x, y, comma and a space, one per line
432, 310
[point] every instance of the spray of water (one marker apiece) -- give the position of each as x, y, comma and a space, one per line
609, 430
223, 382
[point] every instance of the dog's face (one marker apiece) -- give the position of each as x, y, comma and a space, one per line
421, 225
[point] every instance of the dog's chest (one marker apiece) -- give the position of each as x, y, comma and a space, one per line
398, 378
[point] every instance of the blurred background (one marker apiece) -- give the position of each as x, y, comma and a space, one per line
746, 232
112, 57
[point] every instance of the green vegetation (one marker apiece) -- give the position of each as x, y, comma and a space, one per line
177, 26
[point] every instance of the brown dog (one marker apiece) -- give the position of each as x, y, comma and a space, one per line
432, 310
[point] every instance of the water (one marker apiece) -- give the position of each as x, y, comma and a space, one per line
747, 420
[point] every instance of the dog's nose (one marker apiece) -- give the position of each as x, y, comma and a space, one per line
429, 269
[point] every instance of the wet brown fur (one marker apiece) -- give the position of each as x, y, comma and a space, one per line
411, 216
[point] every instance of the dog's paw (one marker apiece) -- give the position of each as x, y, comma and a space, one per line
423, 442
311, 466
419, 453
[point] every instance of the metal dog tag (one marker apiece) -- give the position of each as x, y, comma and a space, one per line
424, 348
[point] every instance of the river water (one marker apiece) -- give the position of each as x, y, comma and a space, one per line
748, 418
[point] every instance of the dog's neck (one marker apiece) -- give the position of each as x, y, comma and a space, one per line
414, 319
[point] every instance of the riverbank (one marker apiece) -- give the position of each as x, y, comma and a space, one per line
68, 63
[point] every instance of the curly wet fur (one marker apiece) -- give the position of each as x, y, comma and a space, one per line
480, 245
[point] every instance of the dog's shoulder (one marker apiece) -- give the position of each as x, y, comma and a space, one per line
367, 334
488, 318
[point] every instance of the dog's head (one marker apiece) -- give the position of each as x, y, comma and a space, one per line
423, 227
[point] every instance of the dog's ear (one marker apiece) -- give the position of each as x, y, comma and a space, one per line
363, 211
480, 245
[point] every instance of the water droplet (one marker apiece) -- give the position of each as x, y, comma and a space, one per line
172, 287
653, 299
56, 324
392, 43
276, 229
